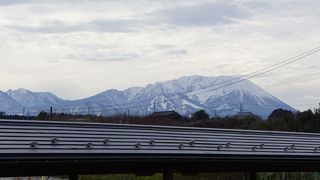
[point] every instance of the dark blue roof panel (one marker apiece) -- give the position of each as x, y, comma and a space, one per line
28, 139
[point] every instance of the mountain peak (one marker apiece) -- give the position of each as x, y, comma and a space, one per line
222, 95
28, 98
21, 90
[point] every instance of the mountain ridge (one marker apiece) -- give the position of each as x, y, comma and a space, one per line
184, 95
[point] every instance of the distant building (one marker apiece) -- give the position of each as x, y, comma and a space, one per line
2, 113
242, 115
168, 114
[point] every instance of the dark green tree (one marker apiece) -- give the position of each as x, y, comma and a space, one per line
307, 122
43, 116
200, 115
282, 120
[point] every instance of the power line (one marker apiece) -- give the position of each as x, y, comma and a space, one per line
249, 76
146, 105
252, 74
241, 80
264, 72
296, 78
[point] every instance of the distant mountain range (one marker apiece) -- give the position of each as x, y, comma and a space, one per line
216, 95
19, 100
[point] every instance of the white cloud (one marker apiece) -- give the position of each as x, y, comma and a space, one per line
204, 14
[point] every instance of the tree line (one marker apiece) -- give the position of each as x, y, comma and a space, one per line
278, 120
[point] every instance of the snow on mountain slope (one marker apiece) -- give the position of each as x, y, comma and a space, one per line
184, 95
221, 95
27, 98
9, 105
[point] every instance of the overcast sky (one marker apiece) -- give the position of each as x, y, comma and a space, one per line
77, 48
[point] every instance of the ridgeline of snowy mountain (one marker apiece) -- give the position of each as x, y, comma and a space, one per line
184, 95
7, 104
21, 101
27, 98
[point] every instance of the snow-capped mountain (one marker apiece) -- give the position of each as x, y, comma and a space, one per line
9, 105
22, 101
185, 95
217, 95
27, 98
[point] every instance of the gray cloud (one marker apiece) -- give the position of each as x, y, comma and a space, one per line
170, 49
102, 57
13, 2
177, 51
204, 14
93, 26
49, 2
259, 5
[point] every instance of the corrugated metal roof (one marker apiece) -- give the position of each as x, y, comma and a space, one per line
49, 140
165, 113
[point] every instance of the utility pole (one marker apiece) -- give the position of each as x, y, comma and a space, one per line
215, 113
250, 175
23, 111
88, 106
241, 107
50, 113
73, 177
167, 174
